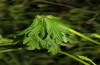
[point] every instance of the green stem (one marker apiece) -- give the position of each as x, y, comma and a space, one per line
8, 50
79, 34
72, 56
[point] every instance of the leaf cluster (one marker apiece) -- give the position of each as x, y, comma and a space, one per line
45, 32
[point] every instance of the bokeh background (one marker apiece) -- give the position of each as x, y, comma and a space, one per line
82, 15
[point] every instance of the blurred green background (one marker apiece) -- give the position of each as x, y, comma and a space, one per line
82, 15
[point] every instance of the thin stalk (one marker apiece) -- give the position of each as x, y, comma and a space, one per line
72, 56
79, 34
8, 50
67, 6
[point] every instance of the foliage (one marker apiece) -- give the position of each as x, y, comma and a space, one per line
45, 32
82, 15
5, 41
86, 59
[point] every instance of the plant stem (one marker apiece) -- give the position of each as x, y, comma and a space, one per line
72, 56
79, 34
67, 6
2, 51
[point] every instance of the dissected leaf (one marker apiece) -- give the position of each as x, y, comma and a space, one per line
45, 32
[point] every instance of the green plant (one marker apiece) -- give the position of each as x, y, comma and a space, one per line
47, 32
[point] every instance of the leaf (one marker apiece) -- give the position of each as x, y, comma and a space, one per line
86, 59
45, 32
4, 40
26, 40
54, 50
65, 39
95, 35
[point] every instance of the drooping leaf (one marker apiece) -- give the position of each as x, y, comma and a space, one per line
48, 32
45, 32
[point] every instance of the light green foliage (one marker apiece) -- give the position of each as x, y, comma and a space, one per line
45, 32
4, 40
49, 33
86, 59
95, 35
16, 15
